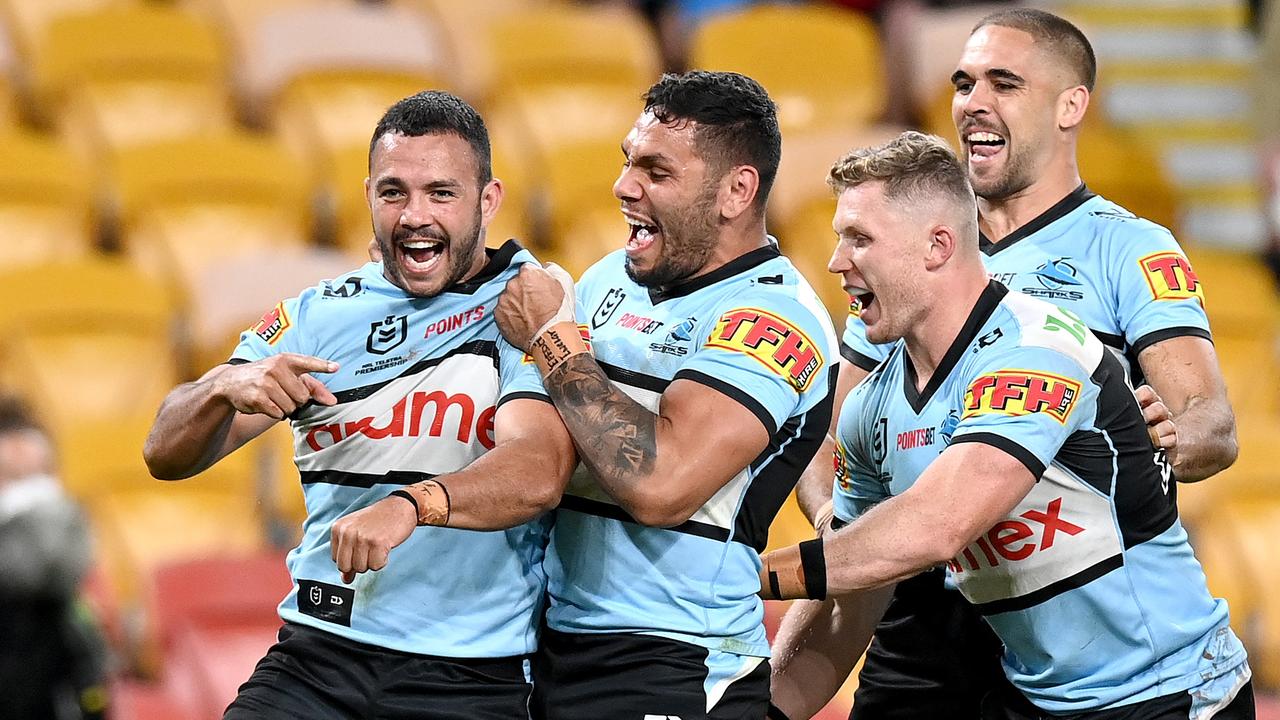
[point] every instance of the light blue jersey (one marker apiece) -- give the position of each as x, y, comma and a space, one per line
1125, 277
1089, 581
418, 389
754, 331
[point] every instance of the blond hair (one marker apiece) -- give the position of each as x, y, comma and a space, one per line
913, 165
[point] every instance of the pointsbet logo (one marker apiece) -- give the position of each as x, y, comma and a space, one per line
1021, 392
1170, 277
773, 341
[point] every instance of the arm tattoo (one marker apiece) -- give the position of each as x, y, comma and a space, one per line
616, 436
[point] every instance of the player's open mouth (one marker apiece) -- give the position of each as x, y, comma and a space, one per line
860, 298
421, 255
642, 235
983, 144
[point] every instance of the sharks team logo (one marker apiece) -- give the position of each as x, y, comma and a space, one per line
1057, 274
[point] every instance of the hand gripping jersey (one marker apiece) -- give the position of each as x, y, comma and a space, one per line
1125, 277
418, 388
753, 330
1089, 581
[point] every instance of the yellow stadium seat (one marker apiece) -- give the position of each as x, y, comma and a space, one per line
322, 76
807, 157
1240, 295
1251, 368
808, 240
573, 45
820, 64
229, 294
45, 205
1120, 167
27, 21
466, 27
1252, 521
186, 203
141, 530
121, 76
87, 341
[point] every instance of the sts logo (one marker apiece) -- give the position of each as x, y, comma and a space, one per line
674, 344
1057, 278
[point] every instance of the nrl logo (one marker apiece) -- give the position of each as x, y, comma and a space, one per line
608, 305
387, 334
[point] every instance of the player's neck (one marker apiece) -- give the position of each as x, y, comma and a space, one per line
998, 219
732, 245
937, 329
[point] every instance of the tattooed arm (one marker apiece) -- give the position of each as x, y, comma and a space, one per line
660, 468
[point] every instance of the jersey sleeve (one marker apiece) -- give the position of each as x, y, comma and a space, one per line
855, 347
277, 331
1157, 294
771, 353
1026, 401
518, 375
858, 487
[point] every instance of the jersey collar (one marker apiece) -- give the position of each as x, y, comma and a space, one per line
987, 303
1060, 209
738, 265
498, 259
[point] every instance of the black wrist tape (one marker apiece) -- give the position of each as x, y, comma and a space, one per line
814, 562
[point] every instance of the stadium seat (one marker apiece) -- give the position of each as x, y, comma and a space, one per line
219, 591
123, 76
807, 158
86, 340
829, 73
230, 294
46, 210
466, 27
564, 44
185, 205
142, 530
1240, 295
323, 76
808, 240
207, 664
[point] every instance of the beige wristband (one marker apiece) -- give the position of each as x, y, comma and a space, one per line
431, 500
557, 344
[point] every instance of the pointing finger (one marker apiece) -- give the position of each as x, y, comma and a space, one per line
299, 364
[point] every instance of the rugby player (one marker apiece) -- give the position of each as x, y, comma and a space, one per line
415, 420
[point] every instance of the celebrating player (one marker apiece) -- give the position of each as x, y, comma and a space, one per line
1022, 88
707, 393
1002, 439
413, 418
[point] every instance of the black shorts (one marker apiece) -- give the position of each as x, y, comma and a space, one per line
933, 657
311, 674
1177, 706
631, 677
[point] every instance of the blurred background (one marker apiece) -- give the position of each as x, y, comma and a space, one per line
170, 170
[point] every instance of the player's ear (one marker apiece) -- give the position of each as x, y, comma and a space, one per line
738, 191
942, 245
1072, 104
490, 201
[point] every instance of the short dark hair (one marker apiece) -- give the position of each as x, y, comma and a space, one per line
433, 112
1063, 39
737, 121
16, 415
